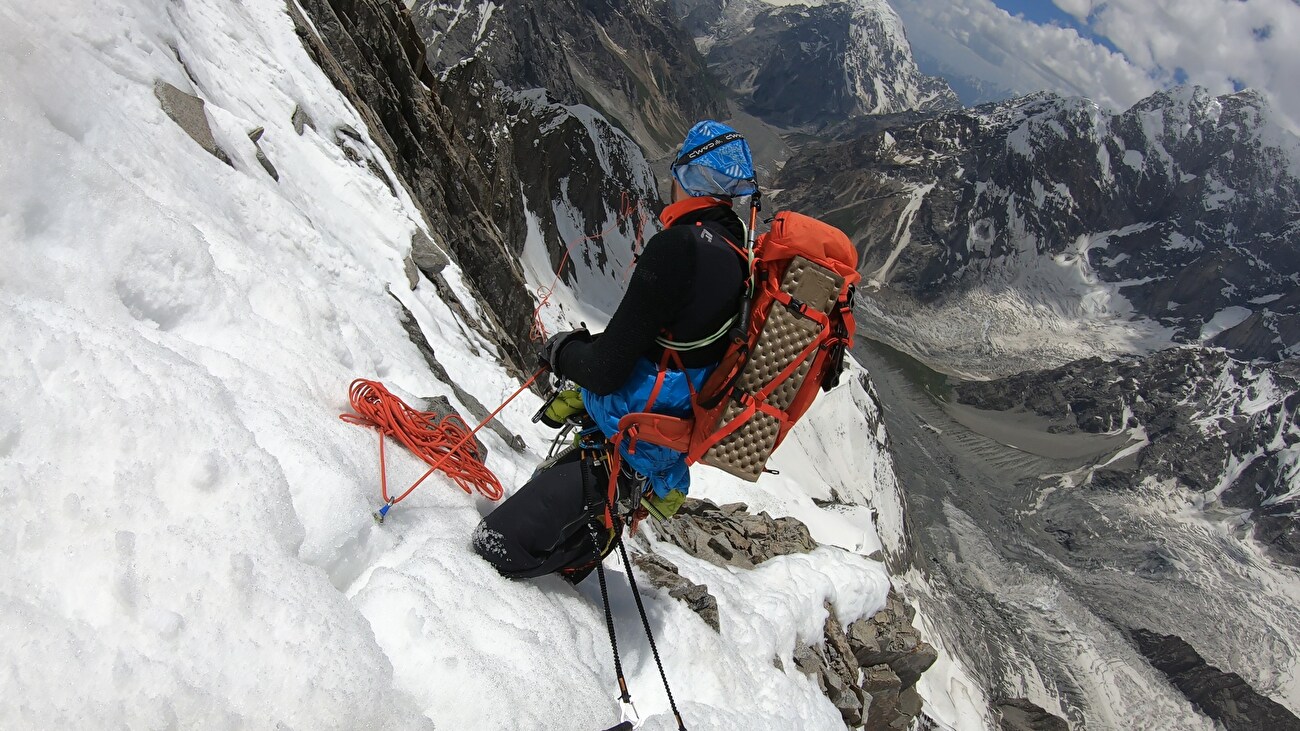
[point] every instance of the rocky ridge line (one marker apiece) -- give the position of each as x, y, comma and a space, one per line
1225, 697
1183, 204
869, 670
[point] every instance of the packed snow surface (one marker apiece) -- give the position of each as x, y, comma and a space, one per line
188, 531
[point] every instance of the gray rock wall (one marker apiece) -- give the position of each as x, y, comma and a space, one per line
869, 669
372, 53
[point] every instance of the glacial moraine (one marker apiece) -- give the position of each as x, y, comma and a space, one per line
1034, 578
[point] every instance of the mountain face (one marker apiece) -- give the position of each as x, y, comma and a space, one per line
630, 61
494, 171
971, 90
507, 151
371, 52
1180, 212
813, 64
1227, 431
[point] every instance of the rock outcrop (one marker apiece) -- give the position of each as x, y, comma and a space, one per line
663, 573
1225, 697
1018, 714
732, 536
869, 669
187, 111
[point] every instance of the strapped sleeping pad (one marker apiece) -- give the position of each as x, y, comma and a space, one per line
800, 324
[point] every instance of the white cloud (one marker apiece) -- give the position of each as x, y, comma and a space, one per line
1219, 44
1021, 55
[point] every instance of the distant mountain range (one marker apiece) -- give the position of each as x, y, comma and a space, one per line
812, 64
1180, 214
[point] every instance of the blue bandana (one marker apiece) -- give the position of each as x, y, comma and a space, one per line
715, 160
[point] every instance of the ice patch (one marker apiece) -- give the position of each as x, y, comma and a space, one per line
902, 232
1224, 319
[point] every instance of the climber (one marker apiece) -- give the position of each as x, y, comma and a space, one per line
684, 294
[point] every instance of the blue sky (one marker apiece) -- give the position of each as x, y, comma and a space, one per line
1045, 12
1039, 11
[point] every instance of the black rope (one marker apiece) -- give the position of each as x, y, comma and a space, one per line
626, 697
645, 622
609, 623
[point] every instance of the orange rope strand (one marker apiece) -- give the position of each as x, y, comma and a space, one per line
446, 444
628, 207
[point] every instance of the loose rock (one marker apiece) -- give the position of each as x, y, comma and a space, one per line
186, 110
663, 573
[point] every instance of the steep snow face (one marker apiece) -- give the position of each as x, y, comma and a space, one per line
188, 537
814, 63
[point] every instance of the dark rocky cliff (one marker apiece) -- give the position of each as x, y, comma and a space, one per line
480, 160
372, 53
1225, 697
629, 61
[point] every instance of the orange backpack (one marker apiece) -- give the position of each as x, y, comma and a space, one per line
800, 322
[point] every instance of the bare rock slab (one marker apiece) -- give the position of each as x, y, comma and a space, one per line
663, 573
186, 110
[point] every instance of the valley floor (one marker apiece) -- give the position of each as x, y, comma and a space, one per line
1028, 580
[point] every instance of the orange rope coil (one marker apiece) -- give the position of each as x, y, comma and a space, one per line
445, 444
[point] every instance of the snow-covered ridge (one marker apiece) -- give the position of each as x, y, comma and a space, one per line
188, 532
1172, 222
813, 64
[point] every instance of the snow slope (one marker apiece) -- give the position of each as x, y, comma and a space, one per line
188, 523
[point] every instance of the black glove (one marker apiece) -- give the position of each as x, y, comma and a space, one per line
550, 353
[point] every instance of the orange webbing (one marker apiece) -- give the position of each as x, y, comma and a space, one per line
445, 444
628, 208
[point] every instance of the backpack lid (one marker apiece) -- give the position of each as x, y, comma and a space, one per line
794, 234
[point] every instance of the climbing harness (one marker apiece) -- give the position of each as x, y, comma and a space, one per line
444, 445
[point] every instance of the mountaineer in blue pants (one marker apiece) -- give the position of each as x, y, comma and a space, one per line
684, 295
